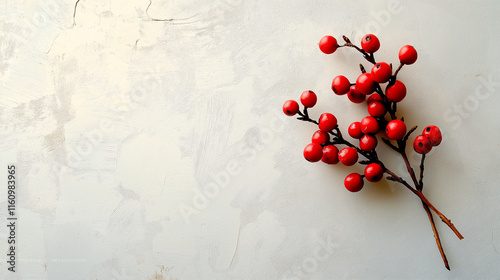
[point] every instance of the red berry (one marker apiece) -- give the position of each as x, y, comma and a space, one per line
374, 172
327, 122
369, 125
320, 137
290, 108
348, 156
374, 97
330, 154
353, 182
367, 142
395, 130
376, 109
407, 55
422, 144
381, 72
396, 92
354, 130
370, 43
328, 44
365, 84
340, 85
355, 95
434, 134
313, 152
308, 98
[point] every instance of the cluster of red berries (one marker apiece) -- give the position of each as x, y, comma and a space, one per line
329, 145
367, 87
321, 148
430, 137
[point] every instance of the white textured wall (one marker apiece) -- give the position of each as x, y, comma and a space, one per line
120, 116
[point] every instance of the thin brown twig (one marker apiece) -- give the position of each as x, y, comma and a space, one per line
436, 235
409, 132
402, 151
362, 68
388, 143
397, 70
369, 57
420, 182
428, 203
420, 186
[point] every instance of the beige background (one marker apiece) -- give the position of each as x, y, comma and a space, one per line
150, 143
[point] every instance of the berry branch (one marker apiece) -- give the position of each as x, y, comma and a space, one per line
419, 187
367, 55
426, 202
380, 104
349, 158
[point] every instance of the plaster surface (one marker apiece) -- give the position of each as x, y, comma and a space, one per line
149, 141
